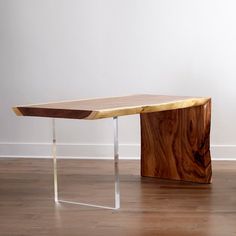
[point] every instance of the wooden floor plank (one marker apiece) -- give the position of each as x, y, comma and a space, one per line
149, 206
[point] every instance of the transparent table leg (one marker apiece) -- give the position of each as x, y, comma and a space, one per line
116, 164
54, 161
116, 170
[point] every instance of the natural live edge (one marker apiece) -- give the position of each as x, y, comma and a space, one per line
106, 113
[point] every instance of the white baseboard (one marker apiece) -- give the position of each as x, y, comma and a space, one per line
93, 151
68, 150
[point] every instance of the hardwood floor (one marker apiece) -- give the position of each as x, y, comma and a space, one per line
149, 206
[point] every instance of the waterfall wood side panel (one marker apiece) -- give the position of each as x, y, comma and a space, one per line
175, 144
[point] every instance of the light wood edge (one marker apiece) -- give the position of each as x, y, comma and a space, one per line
17, 111
106, 113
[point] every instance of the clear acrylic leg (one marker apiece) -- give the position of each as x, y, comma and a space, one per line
116, 164
54, 161
116, 170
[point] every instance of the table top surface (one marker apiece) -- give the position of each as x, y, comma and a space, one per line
109, 107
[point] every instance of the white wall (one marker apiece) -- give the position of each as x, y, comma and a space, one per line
71, 49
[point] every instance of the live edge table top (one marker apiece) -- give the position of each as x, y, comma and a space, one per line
109, 107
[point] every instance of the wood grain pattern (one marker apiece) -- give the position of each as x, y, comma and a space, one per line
150, 206
109, 107
176, 144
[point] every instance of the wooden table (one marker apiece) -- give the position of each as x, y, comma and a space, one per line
175, 131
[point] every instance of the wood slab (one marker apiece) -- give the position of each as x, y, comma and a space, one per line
175, 131
109, 107
175, 144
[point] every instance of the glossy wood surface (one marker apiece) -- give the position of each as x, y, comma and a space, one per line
109, 107
175, 144
150, 206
